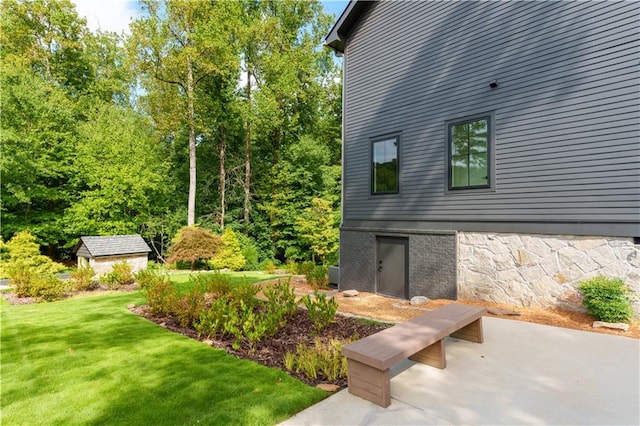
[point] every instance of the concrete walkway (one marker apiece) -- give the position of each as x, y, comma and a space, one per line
523, 374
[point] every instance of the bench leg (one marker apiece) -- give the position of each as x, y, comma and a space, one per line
369, 383
432, 355
472, 332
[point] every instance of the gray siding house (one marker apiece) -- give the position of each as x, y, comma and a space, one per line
102, 252
491, 150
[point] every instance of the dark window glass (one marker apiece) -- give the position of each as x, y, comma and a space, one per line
384, 166
469, 147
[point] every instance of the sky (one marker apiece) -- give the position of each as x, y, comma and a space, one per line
115, 15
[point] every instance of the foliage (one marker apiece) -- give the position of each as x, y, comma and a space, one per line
193, 243
230, 255
43, 287
321, 310
270, 267
22, 251
316, 275
82, 278
249, 252
121, 274
160, 295
281, 301
146, 277
324, 358
607, 299
318, 226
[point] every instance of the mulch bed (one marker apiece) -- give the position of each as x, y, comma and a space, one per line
270, 352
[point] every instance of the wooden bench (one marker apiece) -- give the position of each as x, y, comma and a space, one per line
420, 339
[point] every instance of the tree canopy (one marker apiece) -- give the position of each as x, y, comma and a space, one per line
100, 132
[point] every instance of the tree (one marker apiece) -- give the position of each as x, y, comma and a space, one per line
318, 226
180, 44
120, 174
22, 251
230, 254
193, 243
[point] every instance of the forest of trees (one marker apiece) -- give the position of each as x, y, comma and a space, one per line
214, 113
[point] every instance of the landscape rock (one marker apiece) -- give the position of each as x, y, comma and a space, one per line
498, 311
419, 300
350, 293
612, 325
327, 387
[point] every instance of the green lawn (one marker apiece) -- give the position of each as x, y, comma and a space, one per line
89, 360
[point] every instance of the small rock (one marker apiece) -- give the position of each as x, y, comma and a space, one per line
612, 325
327, 387
208, 342
498, 311
131, 305
419, 300
350, 293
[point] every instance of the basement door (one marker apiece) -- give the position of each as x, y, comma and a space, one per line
392, 264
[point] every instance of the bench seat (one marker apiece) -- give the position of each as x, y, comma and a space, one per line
420, 339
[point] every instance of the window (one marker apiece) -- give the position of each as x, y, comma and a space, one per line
384, 166
469, 153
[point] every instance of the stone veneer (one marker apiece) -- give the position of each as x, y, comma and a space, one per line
542, 270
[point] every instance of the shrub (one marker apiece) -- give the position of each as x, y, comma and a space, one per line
293, 267
192, 244
230, 255
119, 276
270, 267
317, 277
47, 288
188, 307
146, 277
324, 358
250, 252
82, 278
322, 311
21, 277
244, 293
281, 302
22, 251
161, 296
216, 284
607, 299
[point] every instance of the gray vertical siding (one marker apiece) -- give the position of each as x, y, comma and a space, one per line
567, 113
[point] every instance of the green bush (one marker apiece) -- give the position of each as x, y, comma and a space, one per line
146, 277
47, 288
230, 255
270, 267
161, 296
321, 310
120, 275
216, 284
607, 299
82, 278
21, 252
188, 307
21, 276
318, 277
281, 302
324, 358
250, 252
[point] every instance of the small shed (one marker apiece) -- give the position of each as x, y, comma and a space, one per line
101, 253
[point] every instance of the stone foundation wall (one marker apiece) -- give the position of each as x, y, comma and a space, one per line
542, 270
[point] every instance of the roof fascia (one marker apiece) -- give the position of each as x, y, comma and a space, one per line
348, 19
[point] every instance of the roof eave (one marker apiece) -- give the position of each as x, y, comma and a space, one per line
347, 20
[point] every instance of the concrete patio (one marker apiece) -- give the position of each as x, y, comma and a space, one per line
522, 374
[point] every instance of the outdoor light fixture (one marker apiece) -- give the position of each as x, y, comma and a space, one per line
493, 84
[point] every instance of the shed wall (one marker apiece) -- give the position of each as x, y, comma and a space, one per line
104, 265
566, 114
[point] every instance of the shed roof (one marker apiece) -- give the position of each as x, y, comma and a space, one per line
113, 245
347, 20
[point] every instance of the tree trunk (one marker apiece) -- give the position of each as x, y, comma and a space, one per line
191, 205
247, 154
223, 178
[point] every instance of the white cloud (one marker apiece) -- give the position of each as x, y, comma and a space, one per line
108, 15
